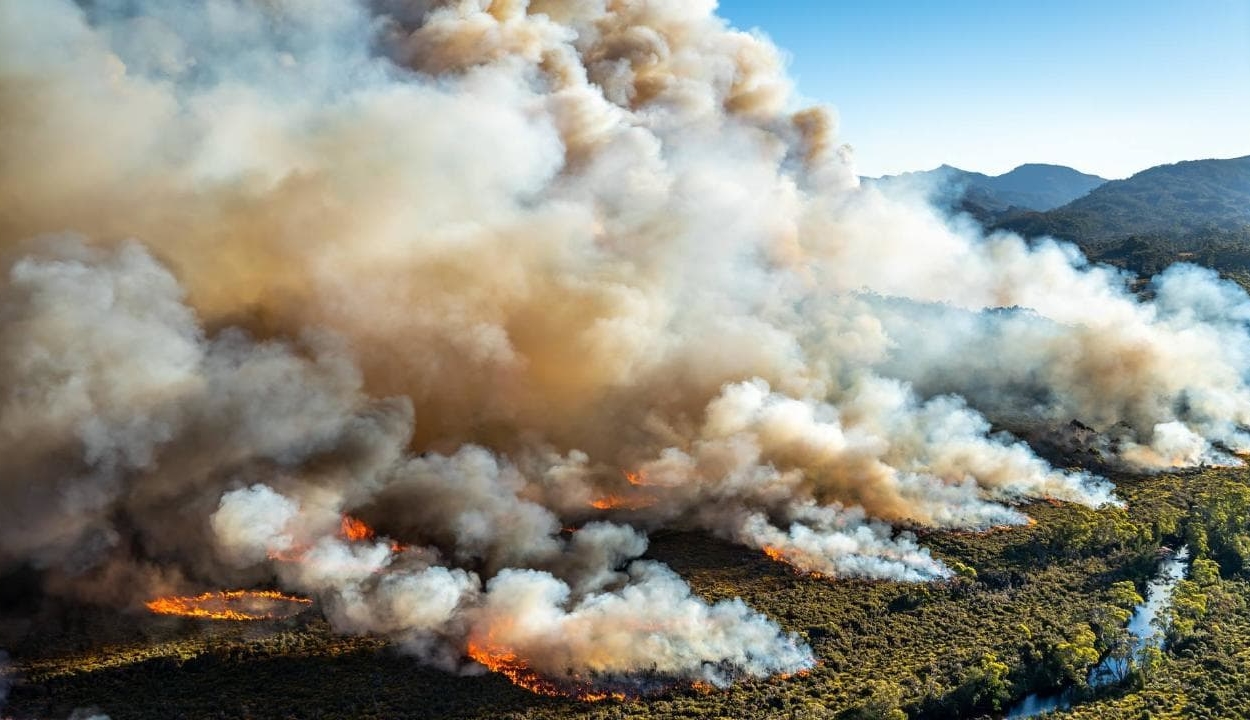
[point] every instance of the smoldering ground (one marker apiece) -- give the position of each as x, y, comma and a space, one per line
481, 271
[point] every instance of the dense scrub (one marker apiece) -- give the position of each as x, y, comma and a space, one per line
1029, 608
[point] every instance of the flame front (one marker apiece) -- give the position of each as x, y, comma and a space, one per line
507, 663
618, 502
237, 605
777, 554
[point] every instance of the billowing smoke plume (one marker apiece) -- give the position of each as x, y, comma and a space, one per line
517, 282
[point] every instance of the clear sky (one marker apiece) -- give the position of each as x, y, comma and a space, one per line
1107, 86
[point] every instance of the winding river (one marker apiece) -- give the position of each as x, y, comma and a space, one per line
1143, 626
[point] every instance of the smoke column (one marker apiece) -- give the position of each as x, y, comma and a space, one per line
478, 271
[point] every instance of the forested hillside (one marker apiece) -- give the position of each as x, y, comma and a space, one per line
1195, 211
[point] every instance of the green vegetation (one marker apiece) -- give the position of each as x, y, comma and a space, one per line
1166, 201
1030, 608
1195, 212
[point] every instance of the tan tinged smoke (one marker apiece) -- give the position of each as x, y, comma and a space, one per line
481, 271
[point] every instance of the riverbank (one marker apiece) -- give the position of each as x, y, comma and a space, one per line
1146, 629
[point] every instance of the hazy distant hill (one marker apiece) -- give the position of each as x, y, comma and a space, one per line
1197, 211
1034, 186
1176, 200
1043, 187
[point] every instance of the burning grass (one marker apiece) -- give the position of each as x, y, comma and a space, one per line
620, 502
511, 666
232, 605
779, 555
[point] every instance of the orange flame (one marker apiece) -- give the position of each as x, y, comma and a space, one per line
507, 663
355, 529
350, 528
777, 554
617, 502
637, 479
238, 605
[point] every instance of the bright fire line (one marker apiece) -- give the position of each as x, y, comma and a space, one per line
225, 605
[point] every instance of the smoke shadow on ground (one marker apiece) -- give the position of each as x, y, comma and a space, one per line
351, 677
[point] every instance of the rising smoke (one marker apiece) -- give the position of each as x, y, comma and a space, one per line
479, 271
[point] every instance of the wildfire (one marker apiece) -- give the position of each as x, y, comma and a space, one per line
618, 502
776, 554
350, 528
235, 605
355, 529
633, 497
790, 676
507, 663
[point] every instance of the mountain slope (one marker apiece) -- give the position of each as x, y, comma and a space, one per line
1043, 187
1034, 186
1184, 202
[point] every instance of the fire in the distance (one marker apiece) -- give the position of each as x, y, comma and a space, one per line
235, 605
618, 502
252, 605
632, 498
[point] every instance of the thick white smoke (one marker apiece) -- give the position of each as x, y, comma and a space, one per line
485, 271
604, 628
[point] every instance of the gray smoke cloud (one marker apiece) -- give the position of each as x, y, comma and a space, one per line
517, 283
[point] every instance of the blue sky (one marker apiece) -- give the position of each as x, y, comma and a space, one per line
1106, 86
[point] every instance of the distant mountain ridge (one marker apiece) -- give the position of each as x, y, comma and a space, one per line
1029, 187
1196, 211
1195, 197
